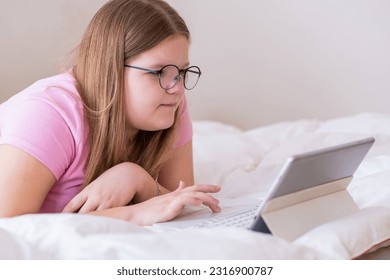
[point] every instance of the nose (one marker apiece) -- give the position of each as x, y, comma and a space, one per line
178, 88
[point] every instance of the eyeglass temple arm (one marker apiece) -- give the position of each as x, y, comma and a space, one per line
143, 69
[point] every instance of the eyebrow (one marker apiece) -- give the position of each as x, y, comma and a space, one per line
159, 66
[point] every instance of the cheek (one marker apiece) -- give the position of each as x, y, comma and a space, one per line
144, 110
140, 106
134, 104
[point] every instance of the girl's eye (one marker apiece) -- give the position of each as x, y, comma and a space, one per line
152, 74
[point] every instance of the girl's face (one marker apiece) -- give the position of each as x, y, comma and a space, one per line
148, 106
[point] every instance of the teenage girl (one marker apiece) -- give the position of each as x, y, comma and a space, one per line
113, 135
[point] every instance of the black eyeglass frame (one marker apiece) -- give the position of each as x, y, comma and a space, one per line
182, 73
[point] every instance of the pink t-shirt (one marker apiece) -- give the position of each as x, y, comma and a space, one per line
47, 120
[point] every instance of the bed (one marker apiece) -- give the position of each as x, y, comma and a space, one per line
236, 159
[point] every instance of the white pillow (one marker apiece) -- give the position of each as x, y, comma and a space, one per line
352, 236
220, 149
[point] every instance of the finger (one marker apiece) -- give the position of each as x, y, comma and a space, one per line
180, 202
214, 207
75, 204
103, 205
206, 199
176, 206
182, 185
88, 206
204, 188
187, 200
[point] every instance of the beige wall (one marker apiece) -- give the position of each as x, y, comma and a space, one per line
37, 37
267, 61
263, 61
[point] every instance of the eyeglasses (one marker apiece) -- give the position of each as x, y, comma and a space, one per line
170, 74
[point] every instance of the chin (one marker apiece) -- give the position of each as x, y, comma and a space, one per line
161, 124
166, 126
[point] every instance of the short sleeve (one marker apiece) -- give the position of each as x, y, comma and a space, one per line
185, 129
36, 126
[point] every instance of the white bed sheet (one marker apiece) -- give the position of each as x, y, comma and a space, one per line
238, 160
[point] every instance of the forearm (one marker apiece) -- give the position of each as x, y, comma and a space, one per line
150, 188
125, 213
134, 213
120, 185
165, 207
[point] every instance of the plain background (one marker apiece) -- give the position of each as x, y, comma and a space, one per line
262, 61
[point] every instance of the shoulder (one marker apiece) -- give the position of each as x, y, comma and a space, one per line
59, 91
54, 100
45, 119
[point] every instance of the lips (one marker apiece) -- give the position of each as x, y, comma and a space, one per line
169, 105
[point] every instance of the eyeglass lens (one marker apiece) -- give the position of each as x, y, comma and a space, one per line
170, 75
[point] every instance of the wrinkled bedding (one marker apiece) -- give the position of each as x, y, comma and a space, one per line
237, 160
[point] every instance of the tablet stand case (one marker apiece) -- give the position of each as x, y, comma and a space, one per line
292, 215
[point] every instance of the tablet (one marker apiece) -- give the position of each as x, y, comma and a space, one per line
310, 190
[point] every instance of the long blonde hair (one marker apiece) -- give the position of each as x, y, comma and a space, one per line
121, 30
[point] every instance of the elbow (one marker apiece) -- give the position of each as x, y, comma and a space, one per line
11, 213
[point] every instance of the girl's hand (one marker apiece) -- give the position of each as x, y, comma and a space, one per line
115, 187
166, 207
